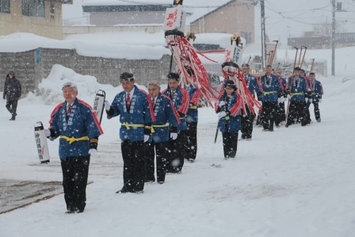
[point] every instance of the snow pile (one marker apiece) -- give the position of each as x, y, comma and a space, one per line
50, 88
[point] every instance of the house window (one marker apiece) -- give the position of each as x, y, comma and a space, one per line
5, 6
33, 8
51, 10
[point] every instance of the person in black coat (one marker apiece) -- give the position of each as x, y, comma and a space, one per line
12, 93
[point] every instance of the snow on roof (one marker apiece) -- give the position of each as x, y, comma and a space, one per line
195, 8
124, 45
187, 3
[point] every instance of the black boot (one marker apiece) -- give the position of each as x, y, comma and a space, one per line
13, 117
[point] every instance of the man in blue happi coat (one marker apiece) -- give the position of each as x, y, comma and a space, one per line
295, 90
166, 118
192, 120
177, 145
313, 96
78, 129
271, 91
248, 118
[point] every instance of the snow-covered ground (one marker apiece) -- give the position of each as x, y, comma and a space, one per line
296, 181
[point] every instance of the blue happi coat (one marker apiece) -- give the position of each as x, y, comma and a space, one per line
316, 89
297, 87
192, 112
81, 123
252, 84
181, 102
166, 116
140, 114
282, 83
270, 89
232, 122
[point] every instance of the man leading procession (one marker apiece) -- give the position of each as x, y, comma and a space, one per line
78, 130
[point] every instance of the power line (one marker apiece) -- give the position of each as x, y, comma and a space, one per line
296, 18
299, 13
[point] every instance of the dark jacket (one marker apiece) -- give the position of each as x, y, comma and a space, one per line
12, 89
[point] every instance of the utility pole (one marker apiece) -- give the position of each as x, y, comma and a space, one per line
263, 33
333, 39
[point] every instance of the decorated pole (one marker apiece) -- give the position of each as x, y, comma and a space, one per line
187, 62
231, 71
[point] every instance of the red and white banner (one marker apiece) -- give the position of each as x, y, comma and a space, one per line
174, 19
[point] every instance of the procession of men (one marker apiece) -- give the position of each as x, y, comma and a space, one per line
159, 127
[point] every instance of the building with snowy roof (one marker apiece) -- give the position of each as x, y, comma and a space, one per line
223, 16
40, 17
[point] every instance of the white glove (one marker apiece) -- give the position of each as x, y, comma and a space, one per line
306, 100
47, 132
107, 105
221, 114
221, 103
288, 97
146, 138
310, 100
173, 135
92, 151
280, 100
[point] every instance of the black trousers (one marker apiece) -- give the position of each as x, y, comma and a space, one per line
247, 124
307, 114
259, 118
280, 113
11, 106
296, 112
230, 144
160, 151
133, 165
269, 114
191, 140
177, 153
75, 177
316, 110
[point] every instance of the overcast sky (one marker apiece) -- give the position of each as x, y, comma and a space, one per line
284, 18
